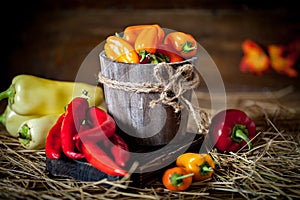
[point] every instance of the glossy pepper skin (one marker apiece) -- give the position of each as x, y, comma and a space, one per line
147, 40
31, 95
12, 121
120, 50
231, 130
131, 32
171, 55
53, 141
177, 179
33, 132
99, 159
184, 44
202, 165
74, 116
119, 149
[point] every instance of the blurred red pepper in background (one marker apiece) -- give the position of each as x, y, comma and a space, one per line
255, 60
283, 59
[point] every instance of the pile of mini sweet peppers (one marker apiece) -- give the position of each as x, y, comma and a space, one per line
34, 104
149, 44
84, 132
230, 131
281, 58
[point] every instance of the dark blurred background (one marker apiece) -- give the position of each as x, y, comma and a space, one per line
50, 38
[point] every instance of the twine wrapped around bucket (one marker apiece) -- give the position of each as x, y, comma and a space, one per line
172, 84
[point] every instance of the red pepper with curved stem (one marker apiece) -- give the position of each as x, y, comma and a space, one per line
185, 44
53, 140
231, 130
99, 159
74, 116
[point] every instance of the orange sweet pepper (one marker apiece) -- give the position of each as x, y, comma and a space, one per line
131, 32
185, 44
147, 40
201, 165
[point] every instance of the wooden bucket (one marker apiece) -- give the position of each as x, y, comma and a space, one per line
131, 110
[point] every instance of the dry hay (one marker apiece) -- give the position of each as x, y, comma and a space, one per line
270, 170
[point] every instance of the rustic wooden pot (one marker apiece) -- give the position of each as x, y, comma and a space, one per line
131, 110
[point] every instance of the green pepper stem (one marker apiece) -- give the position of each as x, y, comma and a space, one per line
240, 133
183, 176
187, 47
206, 168
24, 135
176, 179
3, 118
9, 93
243, 136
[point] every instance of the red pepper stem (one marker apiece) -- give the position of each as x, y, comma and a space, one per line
187, 47
240, 133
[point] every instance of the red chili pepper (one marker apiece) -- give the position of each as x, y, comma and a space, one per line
100, 160
119, 150
74, 116
185, 44
232, 129
99, 118
53, 141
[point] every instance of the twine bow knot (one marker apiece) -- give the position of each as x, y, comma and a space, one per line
174, 83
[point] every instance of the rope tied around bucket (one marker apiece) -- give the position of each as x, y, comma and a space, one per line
172, 84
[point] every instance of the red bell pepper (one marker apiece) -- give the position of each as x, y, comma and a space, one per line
53, 140
74, 116
231, 130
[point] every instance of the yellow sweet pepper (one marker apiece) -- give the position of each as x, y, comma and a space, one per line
31, 95
12, 121
33, 132
202, 165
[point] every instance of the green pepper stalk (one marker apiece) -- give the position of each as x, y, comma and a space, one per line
12, 121
31, 95
33, 132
